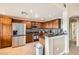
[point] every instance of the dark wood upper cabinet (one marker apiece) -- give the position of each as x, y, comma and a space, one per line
4, 20
52, 24
28, 25
56, 23
39, 25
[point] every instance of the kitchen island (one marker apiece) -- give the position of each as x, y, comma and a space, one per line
55, 44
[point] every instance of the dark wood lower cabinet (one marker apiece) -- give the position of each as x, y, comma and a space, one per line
6, 42
29, 38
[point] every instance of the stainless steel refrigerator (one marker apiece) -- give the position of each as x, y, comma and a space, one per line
19, 34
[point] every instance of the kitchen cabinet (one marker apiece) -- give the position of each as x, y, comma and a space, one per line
0, 34
29, 38
55, 45
6, 41
5, 32
51, 24
45, 25
58, 45
39, 25
55, 24
4, 20
28, 25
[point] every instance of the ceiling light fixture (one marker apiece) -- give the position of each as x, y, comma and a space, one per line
24, 13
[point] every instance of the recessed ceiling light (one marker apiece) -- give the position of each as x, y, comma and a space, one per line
36, 15
27, 16
31, 11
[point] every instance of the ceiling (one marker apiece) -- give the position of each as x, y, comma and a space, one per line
34, 11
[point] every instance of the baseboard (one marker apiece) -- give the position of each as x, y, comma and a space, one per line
77, 46
61, 53
66, 52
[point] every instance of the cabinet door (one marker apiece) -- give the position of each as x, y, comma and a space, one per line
28, 25
44, 25
58, 45
55, 24
6, 41
6, 20
0, 34
29, 38
39, 25
50, 24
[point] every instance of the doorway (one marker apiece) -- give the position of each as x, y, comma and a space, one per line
73, 32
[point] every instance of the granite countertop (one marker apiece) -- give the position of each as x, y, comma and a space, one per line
52, 35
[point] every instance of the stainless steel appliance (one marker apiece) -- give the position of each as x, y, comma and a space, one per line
35, 36
19, 34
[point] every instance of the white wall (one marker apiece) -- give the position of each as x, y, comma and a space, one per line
73, 9
77, 32
65, 25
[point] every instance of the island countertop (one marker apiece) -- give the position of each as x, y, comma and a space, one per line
52, 35
55, 45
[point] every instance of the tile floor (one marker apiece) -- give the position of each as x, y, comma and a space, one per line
73, 49
28, 49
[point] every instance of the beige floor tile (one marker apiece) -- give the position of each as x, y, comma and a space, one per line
28, 49
73, 49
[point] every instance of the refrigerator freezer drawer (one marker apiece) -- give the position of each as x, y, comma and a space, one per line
22, 40
18, 41
15, 42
